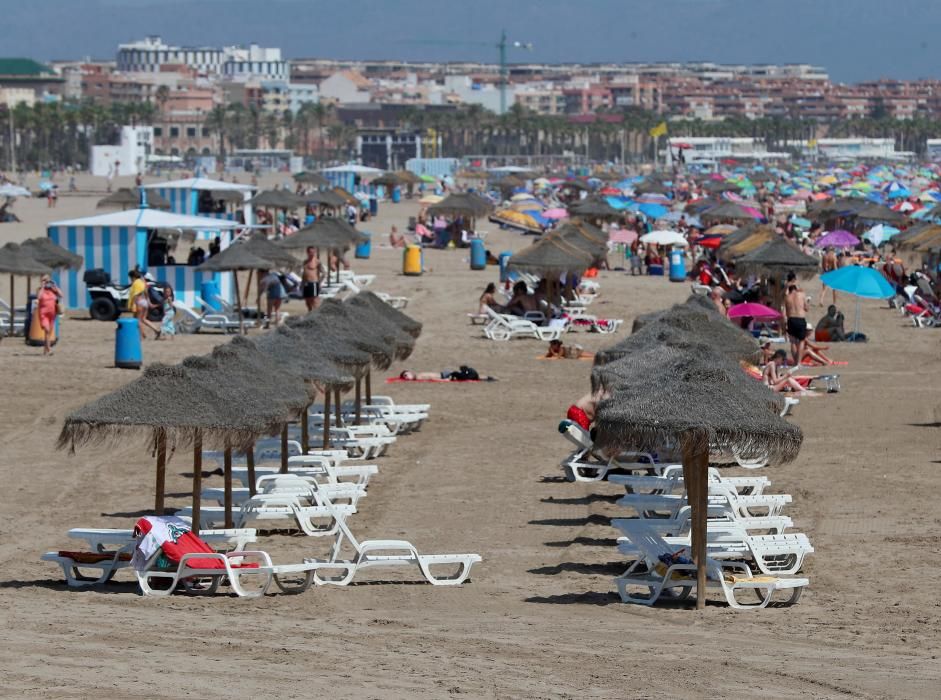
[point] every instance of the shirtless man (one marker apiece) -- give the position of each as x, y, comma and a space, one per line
795, 311
827, 264
311, 280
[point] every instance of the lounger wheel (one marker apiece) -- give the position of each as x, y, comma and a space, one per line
569, 473
500, 334
291, 586
679, 594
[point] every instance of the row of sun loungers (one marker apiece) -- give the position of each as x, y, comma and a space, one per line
317, 496
753, 557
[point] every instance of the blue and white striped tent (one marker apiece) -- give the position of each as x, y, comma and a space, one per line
351, 177
184, 195
117, 242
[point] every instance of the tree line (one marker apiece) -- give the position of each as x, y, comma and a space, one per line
57, 135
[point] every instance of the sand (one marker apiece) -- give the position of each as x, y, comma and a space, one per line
540, 617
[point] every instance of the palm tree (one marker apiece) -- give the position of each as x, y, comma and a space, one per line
217, 122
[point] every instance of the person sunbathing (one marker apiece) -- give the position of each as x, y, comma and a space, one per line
463, 374
781, 381
558, 351
488, 300
582, 411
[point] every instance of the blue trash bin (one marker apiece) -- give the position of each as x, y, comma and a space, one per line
374, 205
364, 248
504, 261
478, 255
677, 266
208, 292
128, 353
396, 195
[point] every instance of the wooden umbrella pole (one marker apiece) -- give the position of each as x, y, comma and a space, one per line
326, 419
336, 408
227, 482
12, 307
695, 475
305, 429
250, 463
248, 287
197, 478
238, 303
359, 401
161, 470
368, 387
284, 448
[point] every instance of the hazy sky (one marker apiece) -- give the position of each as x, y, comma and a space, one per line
853, 39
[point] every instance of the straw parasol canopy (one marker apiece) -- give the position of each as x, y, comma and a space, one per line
310, 178
278, 199
18, 261
407, 177
461, 204
593, 208
48, 253
125, 197
651, 186
341, 326
876, 212
227, 196
701, 401
234, 259
259, 245
777, 257
321, 339
326, 198
289, 350
396, 317
582, 236
727, 210
745, 242
387, 180
365, 321
325, 232
551, 257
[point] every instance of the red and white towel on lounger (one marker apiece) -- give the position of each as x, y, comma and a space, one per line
172, 535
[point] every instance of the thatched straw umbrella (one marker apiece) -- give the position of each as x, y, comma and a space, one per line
19, 262
402, 320
583, 236
727, 210
288, 348
176, 410
279, 200
325, 233
775, 259
48, 253
234, 259
595, 209
259, 245
327, 199
462, 204
389, 180
309, 178
651, 186
700, 403
128, 198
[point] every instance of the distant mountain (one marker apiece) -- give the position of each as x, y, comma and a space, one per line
853, 39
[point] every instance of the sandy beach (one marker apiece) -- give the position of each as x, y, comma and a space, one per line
540, 617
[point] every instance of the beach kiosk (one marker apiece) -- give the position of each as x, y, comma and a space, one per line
118, 241
352, 177
200, 196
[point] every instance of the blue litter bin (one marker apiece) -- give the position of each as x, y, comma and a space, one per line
364, 248
208, 292
677, 266
374, 205
396, 195
478, 255
128, 353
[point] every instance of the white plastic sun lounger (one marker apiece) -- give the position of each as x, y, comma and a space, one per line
312, 466
277, 512
372, 554
656, 578
113, 548
231, 571
503, 327
647, 505
191, 321
298, 485
584, 465
680, 524
670, 481
780, 554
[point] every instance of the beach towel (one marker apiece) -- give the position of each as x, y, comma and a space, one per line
579, 417
171, 535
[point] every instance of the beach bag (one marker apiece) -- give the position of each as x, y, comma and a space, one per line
465, 374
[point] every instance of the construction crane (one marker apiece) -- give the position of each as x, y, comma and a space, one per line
502, 45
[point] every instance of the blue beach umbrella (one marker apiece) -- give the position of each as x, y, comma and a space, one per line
861, 282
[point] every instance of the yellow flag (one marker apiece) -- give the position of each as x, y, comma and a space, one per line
812, 143
659, 130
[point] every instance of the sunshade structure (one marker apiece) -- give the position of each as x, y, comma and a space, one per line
876, 212
775, 258
327, 233
278, 199
310, 178
259, 245
521, 220
225, 196
592, 208
464, 204
237, 258
48, 253
407, 177
676, 382
550, 258
583, 236
727, 211
744, 241
396, 317
861, 282
837, 239
651, 186
915, 238
387, 180
17, 261
174, 410
126, 197
327, 199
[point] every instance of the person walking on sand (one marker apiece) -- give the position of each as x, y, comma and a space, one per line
795, 311
48, 308
139, 304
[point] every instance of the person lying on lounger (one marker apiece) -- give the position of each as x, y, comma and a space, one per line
781, 380
582, 411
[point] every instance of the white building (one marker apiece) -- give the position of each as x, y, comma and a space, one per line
711, 149
345, 87
853, 148
233, 62
127, 158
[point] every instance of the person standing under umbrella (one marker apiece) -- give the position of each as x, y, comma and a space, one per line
274, 292
311, 279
